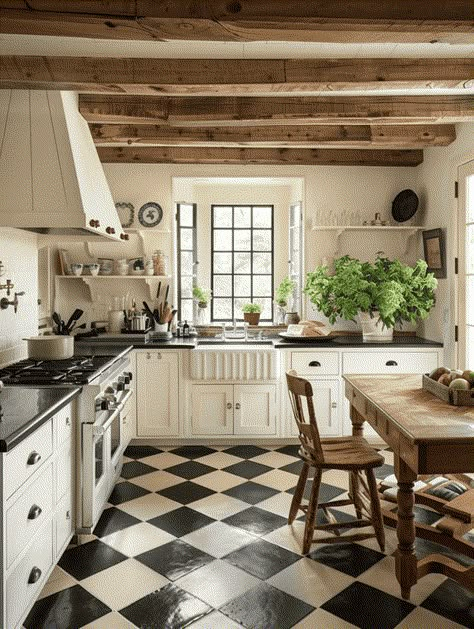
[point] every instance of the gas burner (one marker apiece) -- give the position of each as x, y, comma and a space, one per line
76, 370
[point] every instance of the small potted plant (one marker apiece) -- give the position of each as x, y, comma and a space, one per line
201, 297
252, 313
283, 295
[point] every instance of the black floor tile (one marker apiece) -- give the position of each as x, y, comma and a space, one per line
452, 601
248, 469
383, 471
186, 492
136, 468
190, 469
366, 607
293, 468
341, 516
262, 559
193, 452
170, 607
88, 559
326, 492
113, 520
256, 521
251, 492
181, 521
175, 559
291, 450
425, 516
245, 452
424, 547
139, 452
265, 606
352, 559
68, 609
123, 492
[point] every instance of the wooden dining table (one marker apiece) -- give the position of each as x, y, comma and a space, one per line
427, 436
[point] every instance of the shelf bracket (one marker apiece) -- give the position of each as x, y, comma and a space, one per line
409, 238
339, 233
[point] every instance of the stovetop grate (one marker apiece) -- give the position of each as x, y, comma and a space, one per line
76, 370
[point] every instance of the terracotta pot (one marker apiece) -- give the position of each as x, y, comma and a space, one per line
252, 318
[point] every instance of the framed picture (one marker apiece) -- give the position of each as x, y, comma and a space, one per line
435, 252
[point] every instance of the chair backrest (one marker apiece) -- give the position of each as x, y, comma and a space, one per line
299, 388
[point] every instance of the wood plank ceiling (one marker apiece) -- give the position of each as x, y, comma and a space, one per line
350, 110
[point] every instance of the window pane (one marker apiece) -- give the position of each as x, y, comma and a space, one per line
187, 309
186, 215
222, 286
238, 303
262, 240
262, 262
222, 216
242, 240
222, 263
241, 285
186, 287
187, 239
266, 308
470, 249
242, 263
242, 217
262, 217
262, 285
186, 263
223, 240
222, 308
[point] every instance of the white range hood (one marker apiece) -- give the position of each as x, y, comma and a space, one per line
51, 178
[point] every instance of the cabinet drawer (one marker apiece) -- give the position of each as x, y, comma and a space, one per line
64, 524
315, 363
389, 362
34, 567
27, 457
26, 516
63, 425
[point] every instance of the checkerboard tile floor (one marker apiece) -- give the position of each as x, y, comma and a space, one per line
197, 536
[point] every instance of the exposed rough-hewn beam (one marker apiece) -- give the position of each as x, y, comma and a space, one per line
420, 21
278, 156
229, 77
245, 111
307, 136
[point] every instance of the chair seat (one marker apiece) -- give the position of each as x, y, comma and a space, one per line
345, 453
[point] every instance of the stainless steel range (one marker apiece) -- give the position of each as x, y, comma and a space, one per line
106, 389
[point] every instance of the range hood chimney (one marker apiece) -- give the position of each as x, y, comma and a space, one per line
51, 178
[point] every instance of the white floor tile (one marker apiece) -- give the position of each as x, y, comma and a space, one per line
163, 460
219, 506
425, 619
114, 620
217, 583
320, 619
124, 583
275, 459
218, 539
279, 504
156, 481
290, 537
57, 584
216, 620
219, 460
149, 506
310, 581
338, 478
277, 479
137, 539
218, 480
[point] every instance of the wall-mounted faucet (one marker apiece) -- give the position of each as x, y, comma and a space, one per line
4, 302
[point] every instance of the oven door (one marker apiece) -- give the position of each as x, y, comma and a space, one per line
95, 473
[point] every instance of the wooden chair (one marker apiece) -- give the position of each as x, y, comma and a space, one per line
352, 454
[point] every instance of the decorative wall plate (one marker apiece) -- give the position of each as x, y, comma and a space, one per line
126, 212
150, 214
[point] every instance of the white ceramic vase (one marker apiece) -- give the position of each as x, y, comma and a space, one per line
373, 330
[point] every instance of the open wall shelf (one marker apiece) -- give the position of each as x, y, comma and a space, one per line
93, 282
409, 231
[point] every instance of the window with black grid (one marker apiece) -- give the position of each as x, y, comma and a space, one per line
187, 258
242, 260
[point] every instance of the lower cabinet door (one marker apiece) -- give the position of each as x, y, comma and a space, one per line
212, 409
326, 407
254, 409
64, 524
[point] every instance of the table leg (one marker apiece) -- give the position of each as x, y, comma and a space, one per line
405, 558
357, 422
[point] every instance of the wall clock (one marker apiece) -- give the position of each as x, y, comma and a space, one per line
150, 214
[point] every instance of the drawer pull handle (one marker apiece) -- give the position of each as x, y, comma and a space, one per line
34, 458
34, 512
68, 515
237, 406
315, 363
68, 421
333, 404
229, 405
391, 363
35, 575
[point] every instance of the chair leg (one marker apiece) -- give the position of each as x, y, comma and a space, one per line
377, 520
354, 488
311, 513
298, 495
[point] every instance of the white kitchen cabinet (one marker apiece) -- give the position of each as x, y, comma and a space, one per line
212, 409
254, 409
157, 392
326, 396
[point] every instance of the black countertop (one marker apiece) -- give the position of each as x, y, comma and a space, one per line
357, 341
24, 409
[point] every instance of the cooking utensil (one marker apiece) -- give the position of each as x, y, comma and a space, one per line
404, 205
57, 321
158, 291
52, 347
76, 315
148, 310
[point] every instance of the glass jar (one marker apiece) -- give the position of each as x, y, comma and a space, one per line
121, 266
159, 262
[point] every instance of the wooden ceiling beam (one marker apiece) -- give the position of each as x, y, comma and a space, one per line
353, 21
276, 156
253, 111
308, 136
229, 77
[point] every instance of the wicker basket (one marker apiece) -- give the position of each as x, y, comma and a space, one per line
455, 397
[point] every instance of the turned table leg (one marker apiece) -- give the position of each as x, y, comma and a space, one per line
357, 422
405, 558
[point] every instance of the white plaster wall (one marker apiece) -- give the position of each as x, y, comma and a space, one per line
18, 252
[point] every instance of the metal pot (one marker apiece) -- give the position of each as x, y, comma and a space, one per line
50, 347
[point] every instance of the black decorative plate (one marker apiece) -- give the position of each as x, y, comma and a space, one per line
150, 214
404, 206
305, 339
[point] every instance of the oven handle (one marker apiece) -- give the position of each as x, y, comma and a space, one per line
100, 430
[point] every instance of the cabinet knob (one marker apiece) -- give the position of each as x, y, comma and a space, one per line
110, 230
315, 363
35, 575
124, 236
68, 515
391, 363
68, 421
148, 355
237, 406
34, 458
34, 512
94, 222
229, 405
159, 356
334, 405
